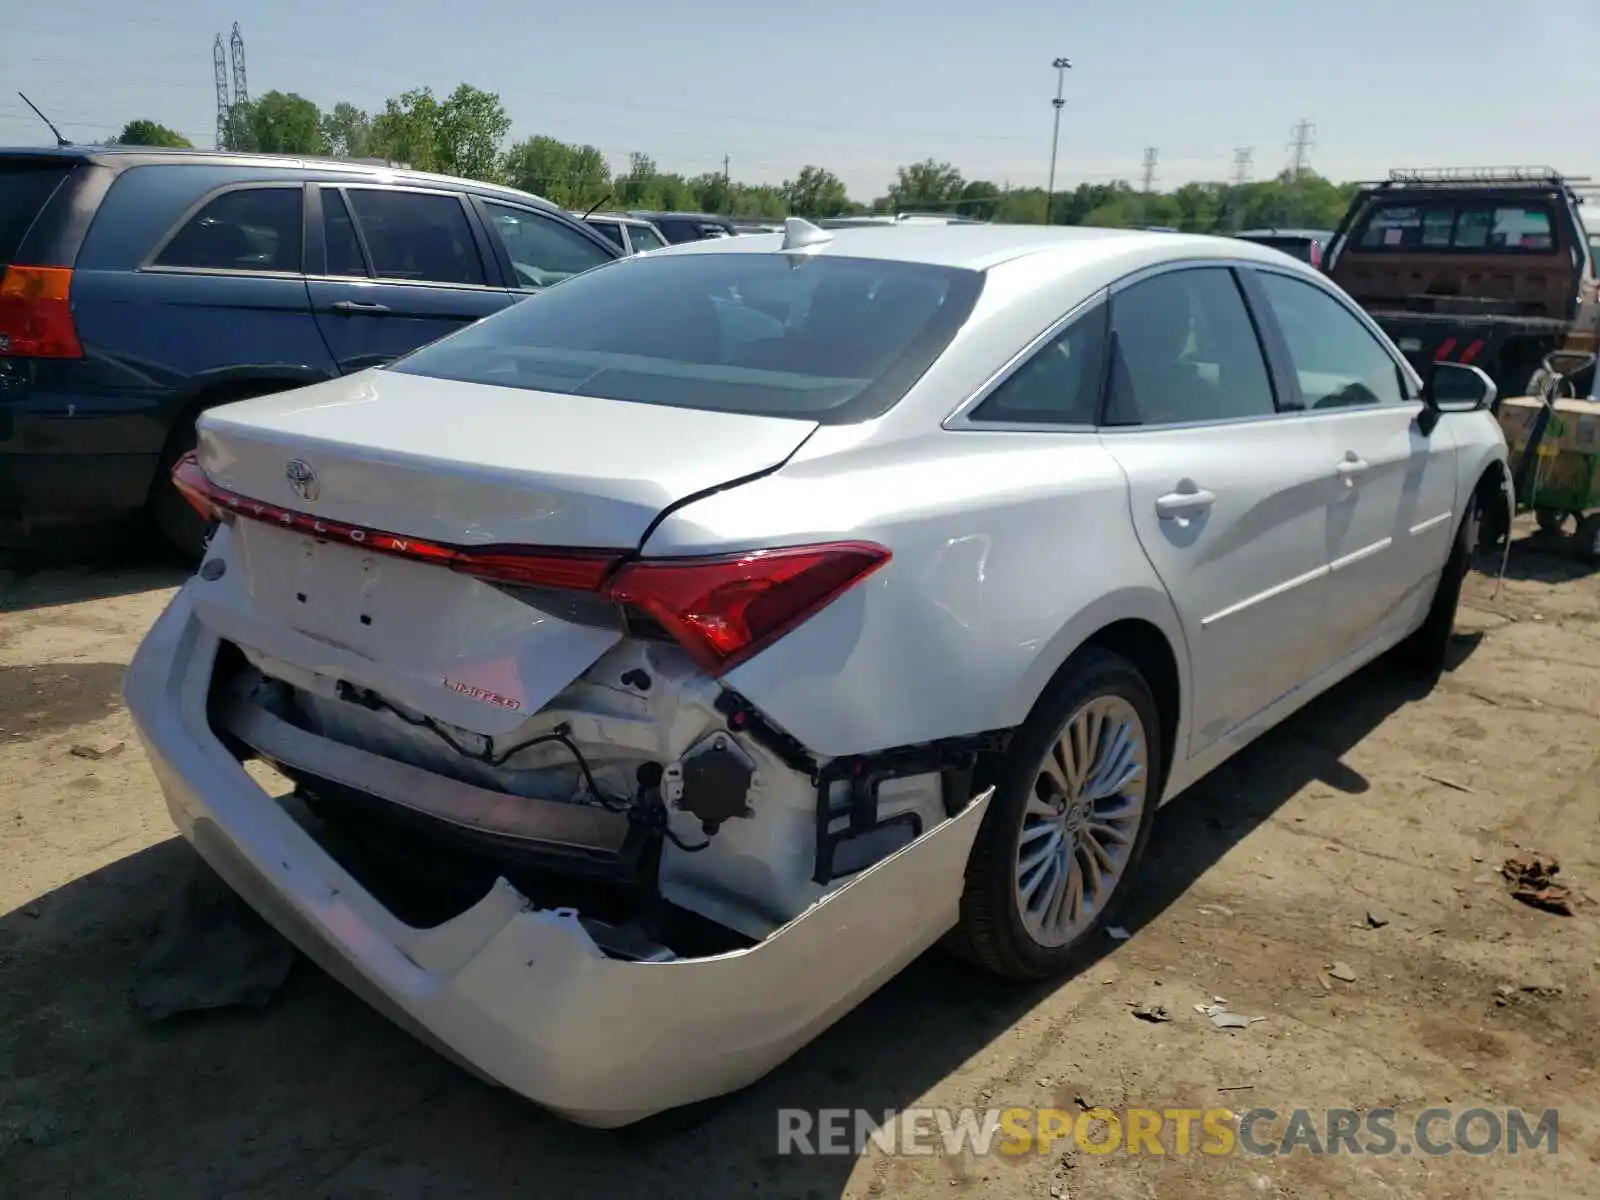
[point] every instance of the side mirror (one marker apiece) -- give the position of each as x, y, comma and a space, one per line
1456, 387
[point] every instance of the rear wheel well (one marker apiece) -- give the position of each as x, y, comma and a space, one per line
180, 434
1146, 647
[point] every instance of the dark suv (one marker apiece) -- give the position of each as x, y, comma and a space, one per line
689, 226
140, 286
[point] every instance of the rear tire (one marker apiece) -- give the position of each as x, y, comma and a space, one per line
1067, 825
1426, 649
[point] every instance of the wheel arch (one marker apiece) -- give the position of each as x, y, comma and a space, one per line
224, 390
1141, 626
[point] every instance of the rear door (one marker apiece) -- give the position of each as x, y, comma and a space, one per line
1228, 498
395, 268
535, 249
1393, 515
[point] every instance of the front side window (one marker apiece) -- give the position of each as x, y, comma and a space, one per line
1185, 350
821, 338
541, 251
1060, 383
1337, 360
418, 237
249, 229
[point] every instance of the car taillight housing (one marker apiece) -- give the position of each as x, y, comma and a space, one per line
721, 609
36, 313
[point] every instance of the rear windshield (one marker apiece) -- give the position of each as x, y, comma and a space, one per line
25, 185
1511, 227
822, 338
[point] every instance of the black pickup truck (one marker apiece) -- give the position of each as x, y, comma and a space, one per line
1490, 267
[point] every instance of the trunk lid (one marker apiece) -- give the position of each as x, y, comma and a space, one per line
463, 465
472, 464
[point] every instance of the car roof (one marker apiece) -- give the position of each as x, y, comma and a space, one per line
980, 247
1300, 233
120, 156
652, 215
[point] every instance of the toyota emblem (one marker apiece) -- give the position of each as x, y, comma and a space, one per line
302, 479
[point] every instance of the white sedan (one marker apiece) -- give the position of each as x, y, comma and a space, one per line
662, 664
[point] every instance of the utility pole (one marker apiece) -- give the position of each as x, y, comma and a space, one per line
219, 63
1241, 176
727, 186
1300, 145
1062, 66
1150, 155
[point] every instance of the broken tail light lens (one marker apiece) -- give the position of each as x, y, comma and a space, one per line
36, 313
720, 609
723, 610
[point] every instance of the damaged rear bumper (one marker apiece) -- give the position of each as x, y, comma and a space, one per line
523, 996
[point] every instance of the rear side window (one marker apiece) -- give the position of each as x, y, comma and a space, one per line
821, 338
339, 234
25, 186
1507, 228
249, 229
610, 230
1060, 384
420, 237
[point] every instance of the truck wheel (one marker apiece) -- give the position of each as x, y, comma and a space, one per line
1587, 543
1551, 520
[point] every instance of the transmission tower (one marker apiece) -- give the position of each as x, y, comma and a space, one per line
1150, 154
1242, 167
241, 92
219, 62
1300, 147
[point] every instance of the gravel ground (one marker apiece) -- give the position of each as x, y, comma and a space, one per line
1360, 840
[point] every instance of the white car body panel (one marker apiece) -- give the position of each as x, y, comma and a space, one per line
1012, 547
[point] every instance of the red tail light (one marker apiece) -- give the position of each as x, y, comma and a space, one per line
1316, 254
36, 313
721, 609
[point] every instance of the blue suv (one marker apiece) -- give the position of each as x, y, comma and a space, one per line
139, 287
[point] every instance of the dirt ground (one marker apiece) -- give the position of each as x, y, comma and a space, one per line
1377, 799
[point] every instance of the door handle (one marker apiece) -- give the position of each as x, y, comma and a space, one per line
1351, 466
1187, 503
358, 306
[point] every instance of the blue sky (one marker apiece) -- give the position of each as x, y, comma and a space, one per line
862, 88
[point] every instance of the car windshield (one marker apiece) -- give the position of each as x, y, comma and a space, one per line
821, 338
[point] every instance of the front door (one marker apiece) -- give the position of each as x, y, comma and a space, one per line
404, 267
1393, 516
1228, 498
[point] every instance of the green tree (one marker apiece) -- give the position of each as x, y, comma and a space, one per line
348, 131
815, 192
470, 127
286, 123
710, 192
572, 176
149, 133
979, 199
407, 130
925, 185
